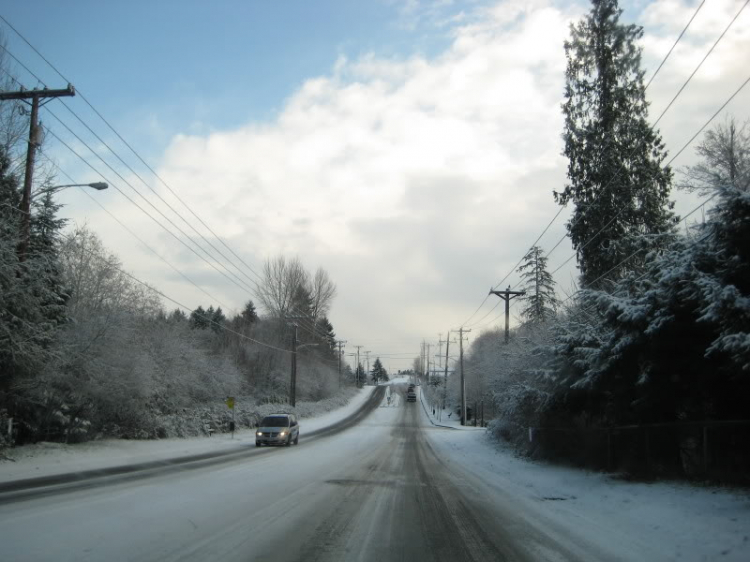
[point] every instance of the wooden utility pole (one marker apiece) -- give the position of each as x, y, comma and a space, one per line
440, 350
356, 372
445, 376
293, 384
507, 295
428, 362
34, 140
340, 343
421, 361
461, 331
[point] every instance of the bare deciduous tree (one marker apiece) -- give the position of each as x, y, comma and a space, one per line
288, 289
322, 292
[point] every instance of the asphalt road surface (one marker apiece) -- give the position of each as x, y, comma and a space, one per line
374, 492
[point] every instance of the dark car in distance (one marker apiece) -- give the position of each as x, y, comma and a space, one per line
277, 429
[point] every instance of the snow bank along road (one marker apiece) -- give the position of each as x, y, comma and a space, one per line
375, 491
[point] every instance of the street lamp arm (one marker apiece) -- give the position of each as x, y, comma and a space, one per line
98, 185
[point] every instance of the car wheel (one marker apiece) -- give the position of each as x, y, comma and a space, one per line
257, 444
296, 440
289, 441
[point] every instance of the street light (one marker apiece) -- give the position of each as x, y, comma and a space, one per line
98, 185
26, 210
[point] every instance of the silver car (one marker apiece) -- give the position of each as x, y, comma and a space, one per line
278, 429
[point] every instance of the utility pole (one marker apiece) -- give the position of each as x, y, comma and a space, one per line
439, 353
461, 331
293, 384
536, 282
428, 362
340, 343
367, 358
34, 140
357, 370
507, 295
421, 362
445, 377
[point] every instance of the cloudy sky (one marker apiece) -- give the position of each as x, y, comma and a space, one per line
408, 147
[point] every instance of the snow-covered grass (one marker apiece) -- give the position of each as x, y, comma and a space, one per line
666, 521
45, 459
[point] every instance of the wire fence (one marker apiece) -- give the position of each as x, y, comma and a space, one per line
713, 450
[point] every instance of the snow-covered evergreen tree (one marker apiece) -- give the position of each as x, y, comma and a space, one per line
32, 304
217, 319
540, 301
249, 314
674, 342
378, 372
360, 374
324, 329
616, 178
200, 318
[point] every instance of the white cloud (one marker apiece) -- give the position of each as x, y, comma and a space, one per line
419, 182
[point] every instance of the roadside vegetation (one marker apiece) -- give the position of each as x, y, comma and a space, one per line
658, 331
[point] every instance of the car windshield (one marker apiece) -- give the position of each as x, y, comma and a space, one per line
273, 421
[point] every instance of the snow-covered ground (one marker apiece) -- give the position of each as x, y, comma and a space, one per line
46, 459
443, 417
677, 521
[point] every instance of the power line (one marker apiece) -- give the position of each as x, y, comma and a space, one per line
675, 43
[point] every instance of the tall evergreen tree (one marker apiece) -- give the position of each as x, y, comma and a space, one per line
217, 319
540, 300
302, 303
378, 372
325, 328
199, 318
360, 374
44, 248
617, 180
32, 306
249, 314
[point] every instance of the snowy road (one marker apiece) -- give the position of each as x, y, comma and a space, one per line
374, 492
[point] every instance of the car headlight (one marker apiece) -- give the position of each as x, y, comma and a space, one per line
259, 433
282, 433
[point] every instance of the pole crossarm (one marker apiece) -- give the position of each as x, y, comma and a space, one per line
44, 93
507, 295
